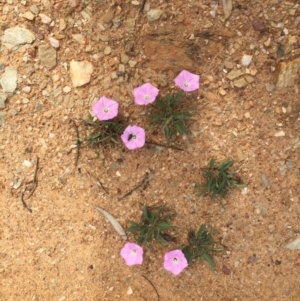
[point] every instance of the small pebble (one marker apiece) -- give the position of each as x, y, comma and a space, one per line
27, 163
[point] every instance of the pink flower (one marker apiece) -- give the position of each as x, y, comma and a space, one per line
145, 94
187, 81
105, 108
175, 262
134, 137
132, 254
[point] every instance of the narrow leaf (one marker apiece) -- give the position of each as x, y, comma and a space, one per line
114, 222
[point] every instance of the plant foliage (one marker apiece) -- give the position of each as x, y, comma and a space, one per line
104, 131
201, 246
218, 180
171, 116
153, 226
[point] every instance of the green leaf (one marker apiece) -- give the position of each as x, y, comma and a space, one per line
164, 226
209, 260
201, 231
212, 163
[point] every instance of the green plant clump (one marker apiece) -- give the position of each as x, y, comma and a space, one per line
171, 116
105, 131
218, 180
153, 226
201, 246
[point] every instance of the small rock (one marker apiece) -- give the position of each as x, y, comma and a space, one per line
38, 107
54, 43
3, 98
104, 38
258, 25
269, 87
15, 37
294, 245
240, 82
280, 134
79, 38
129, 291
66, 89
265, 180
116, 22
130, 25
47, 56
48, 114
107, 50
132, 63
246, 60
26, 89
286, 73
124, 58
235, 73
249, 79
27, 163
108, 17
9, 80
267, 43
34, 9
212, 97
228, 65
222, 91
28, 15
80, 72
154, 14
107, 82
45, 19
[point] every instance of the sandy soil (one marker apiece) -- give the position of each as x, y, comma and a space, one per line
64, 249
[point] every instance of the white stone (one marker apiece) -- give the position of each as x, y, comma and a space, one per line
280, 134
294, 245
9, 80
80, 72
154, 14
27, 163
246, 60
54, 43
45, 19
15, 37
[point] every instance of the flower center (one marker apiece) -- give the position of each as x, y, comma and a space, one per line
146, 97
105, 110
175, 259
133, 251
186, 84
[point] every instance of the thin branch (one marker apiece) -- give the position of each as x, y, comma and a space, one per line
164, 145
100, 183
24, 203
142, 6
152, 286
35, 179
77, 144
143, 182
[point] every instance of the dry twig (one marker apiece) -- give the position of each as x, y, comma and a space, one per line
143, 182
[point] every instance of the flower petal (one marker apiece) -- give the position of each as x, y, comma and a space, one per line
130, 257
145, 90
187, 77
105, 103
175, 267
140, 139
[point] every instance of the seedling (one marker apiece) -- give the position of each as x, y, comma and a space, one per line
171, 116
153, 226
218, 180
201, 246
